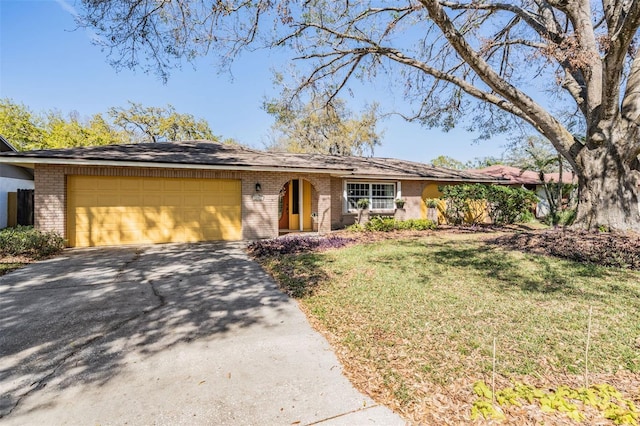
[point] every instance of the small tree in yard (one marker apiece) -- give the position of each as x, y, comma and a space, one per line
507, 204
469, 203
480, 61
465, 203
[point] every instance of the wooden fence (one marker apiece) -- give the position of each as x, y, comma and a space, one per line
25, 207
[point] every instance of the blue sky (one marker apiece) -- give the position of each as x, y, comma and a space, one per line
46, 64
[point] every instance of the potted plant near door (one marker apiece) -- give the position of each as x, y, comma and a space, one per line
432, 209
363, 210
399, 214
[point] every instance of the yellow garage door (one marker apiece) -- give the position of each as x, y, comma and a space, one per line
132, 210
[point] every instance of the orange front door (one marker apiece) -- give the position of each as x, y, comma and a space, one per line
283, 222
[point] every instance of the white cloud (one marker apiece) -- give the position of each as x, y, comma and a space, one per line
67, 7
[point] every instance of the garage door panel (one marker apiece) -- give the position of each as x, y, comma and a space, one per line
153, 184
130, 210
150, 199
172, 199
125, 199
174, 184
105, 184
109, 200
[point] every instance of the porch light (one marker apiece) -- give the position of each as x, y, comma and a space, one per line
258, 187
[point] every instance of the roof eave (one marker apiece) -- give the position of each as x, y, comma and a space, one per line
418, 178
32, 162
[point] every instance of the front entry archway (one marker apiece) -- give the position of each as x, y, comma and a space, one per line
295, 206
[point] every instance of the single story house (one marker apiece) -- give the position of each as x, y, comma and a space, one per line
528, 179
200, 191
12, 178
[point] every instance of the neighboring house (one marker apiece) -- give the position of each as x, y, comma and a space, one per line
12, 178
200, 191
530, 180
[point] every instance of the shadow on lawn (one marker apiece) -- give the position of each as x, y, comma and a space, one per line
298, 275
76, 318
539, 274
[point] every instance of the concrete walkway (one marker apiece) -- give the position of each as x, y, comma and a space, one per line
165, 334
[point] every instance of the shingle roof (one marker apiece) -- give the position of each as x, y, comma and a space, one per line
206, 153
523, 177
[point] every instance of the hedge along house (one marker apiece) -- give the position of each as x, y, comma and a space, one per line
530, 180
203, 191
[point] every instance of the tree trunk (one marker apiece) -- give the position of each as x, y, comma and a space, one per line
608, 191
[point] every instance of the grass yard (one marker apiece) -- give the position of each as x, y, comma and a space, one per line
413, 321
6, 267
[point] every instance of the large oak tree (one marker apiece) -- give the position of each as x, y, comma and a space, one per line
568, 68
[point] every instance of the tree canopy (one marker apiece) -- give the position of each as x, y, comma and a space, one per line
159, 124
27, 130
484, 63
322, 128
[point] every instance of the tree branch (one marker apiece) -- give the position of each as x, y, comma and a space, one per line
528, 108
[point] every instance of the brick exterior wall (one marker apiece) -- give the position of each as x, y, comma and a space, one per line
259, 211
411, 193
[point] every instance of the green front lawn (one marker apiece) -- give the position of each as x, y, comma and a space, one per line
414, 320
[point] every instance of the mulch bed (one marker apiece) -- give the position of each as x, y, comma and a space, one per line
607, 249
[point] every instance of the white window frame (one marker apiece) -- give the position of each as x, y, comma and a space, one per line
345, 195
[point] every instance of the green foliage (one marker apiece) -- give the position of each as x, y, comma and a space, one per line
448, 163
30, 242
508, 204
460, 203
381, 224
483, 406
432, 203
416, 225
157, 124
19, 126
387, 224
477, 163
322, 128
26, 130
561, 218
363, 203
504, 204
570, 401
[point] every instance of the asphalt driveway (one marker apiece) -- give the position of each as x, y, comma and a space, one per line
165, 334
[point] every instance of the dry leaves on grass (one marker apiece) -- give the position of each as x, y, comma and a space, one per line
607, 249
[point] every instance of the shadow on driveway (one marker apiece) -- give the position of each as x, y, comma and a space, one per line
109, 302
165, 334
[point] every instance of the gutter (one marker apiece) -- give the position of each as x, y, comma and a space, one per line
31, 162
418, 178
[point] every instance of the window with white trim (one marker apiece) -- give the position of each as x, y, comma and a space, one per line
381, 196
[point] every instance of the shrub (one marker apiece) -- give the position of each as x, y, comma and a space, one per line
417, 224
295, 244
462, 203
387, 224
562, 218
507, 204
30, 242
504, 204
379, 223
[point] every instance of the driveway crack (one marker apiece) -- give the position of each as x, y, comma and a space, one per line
41, 383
